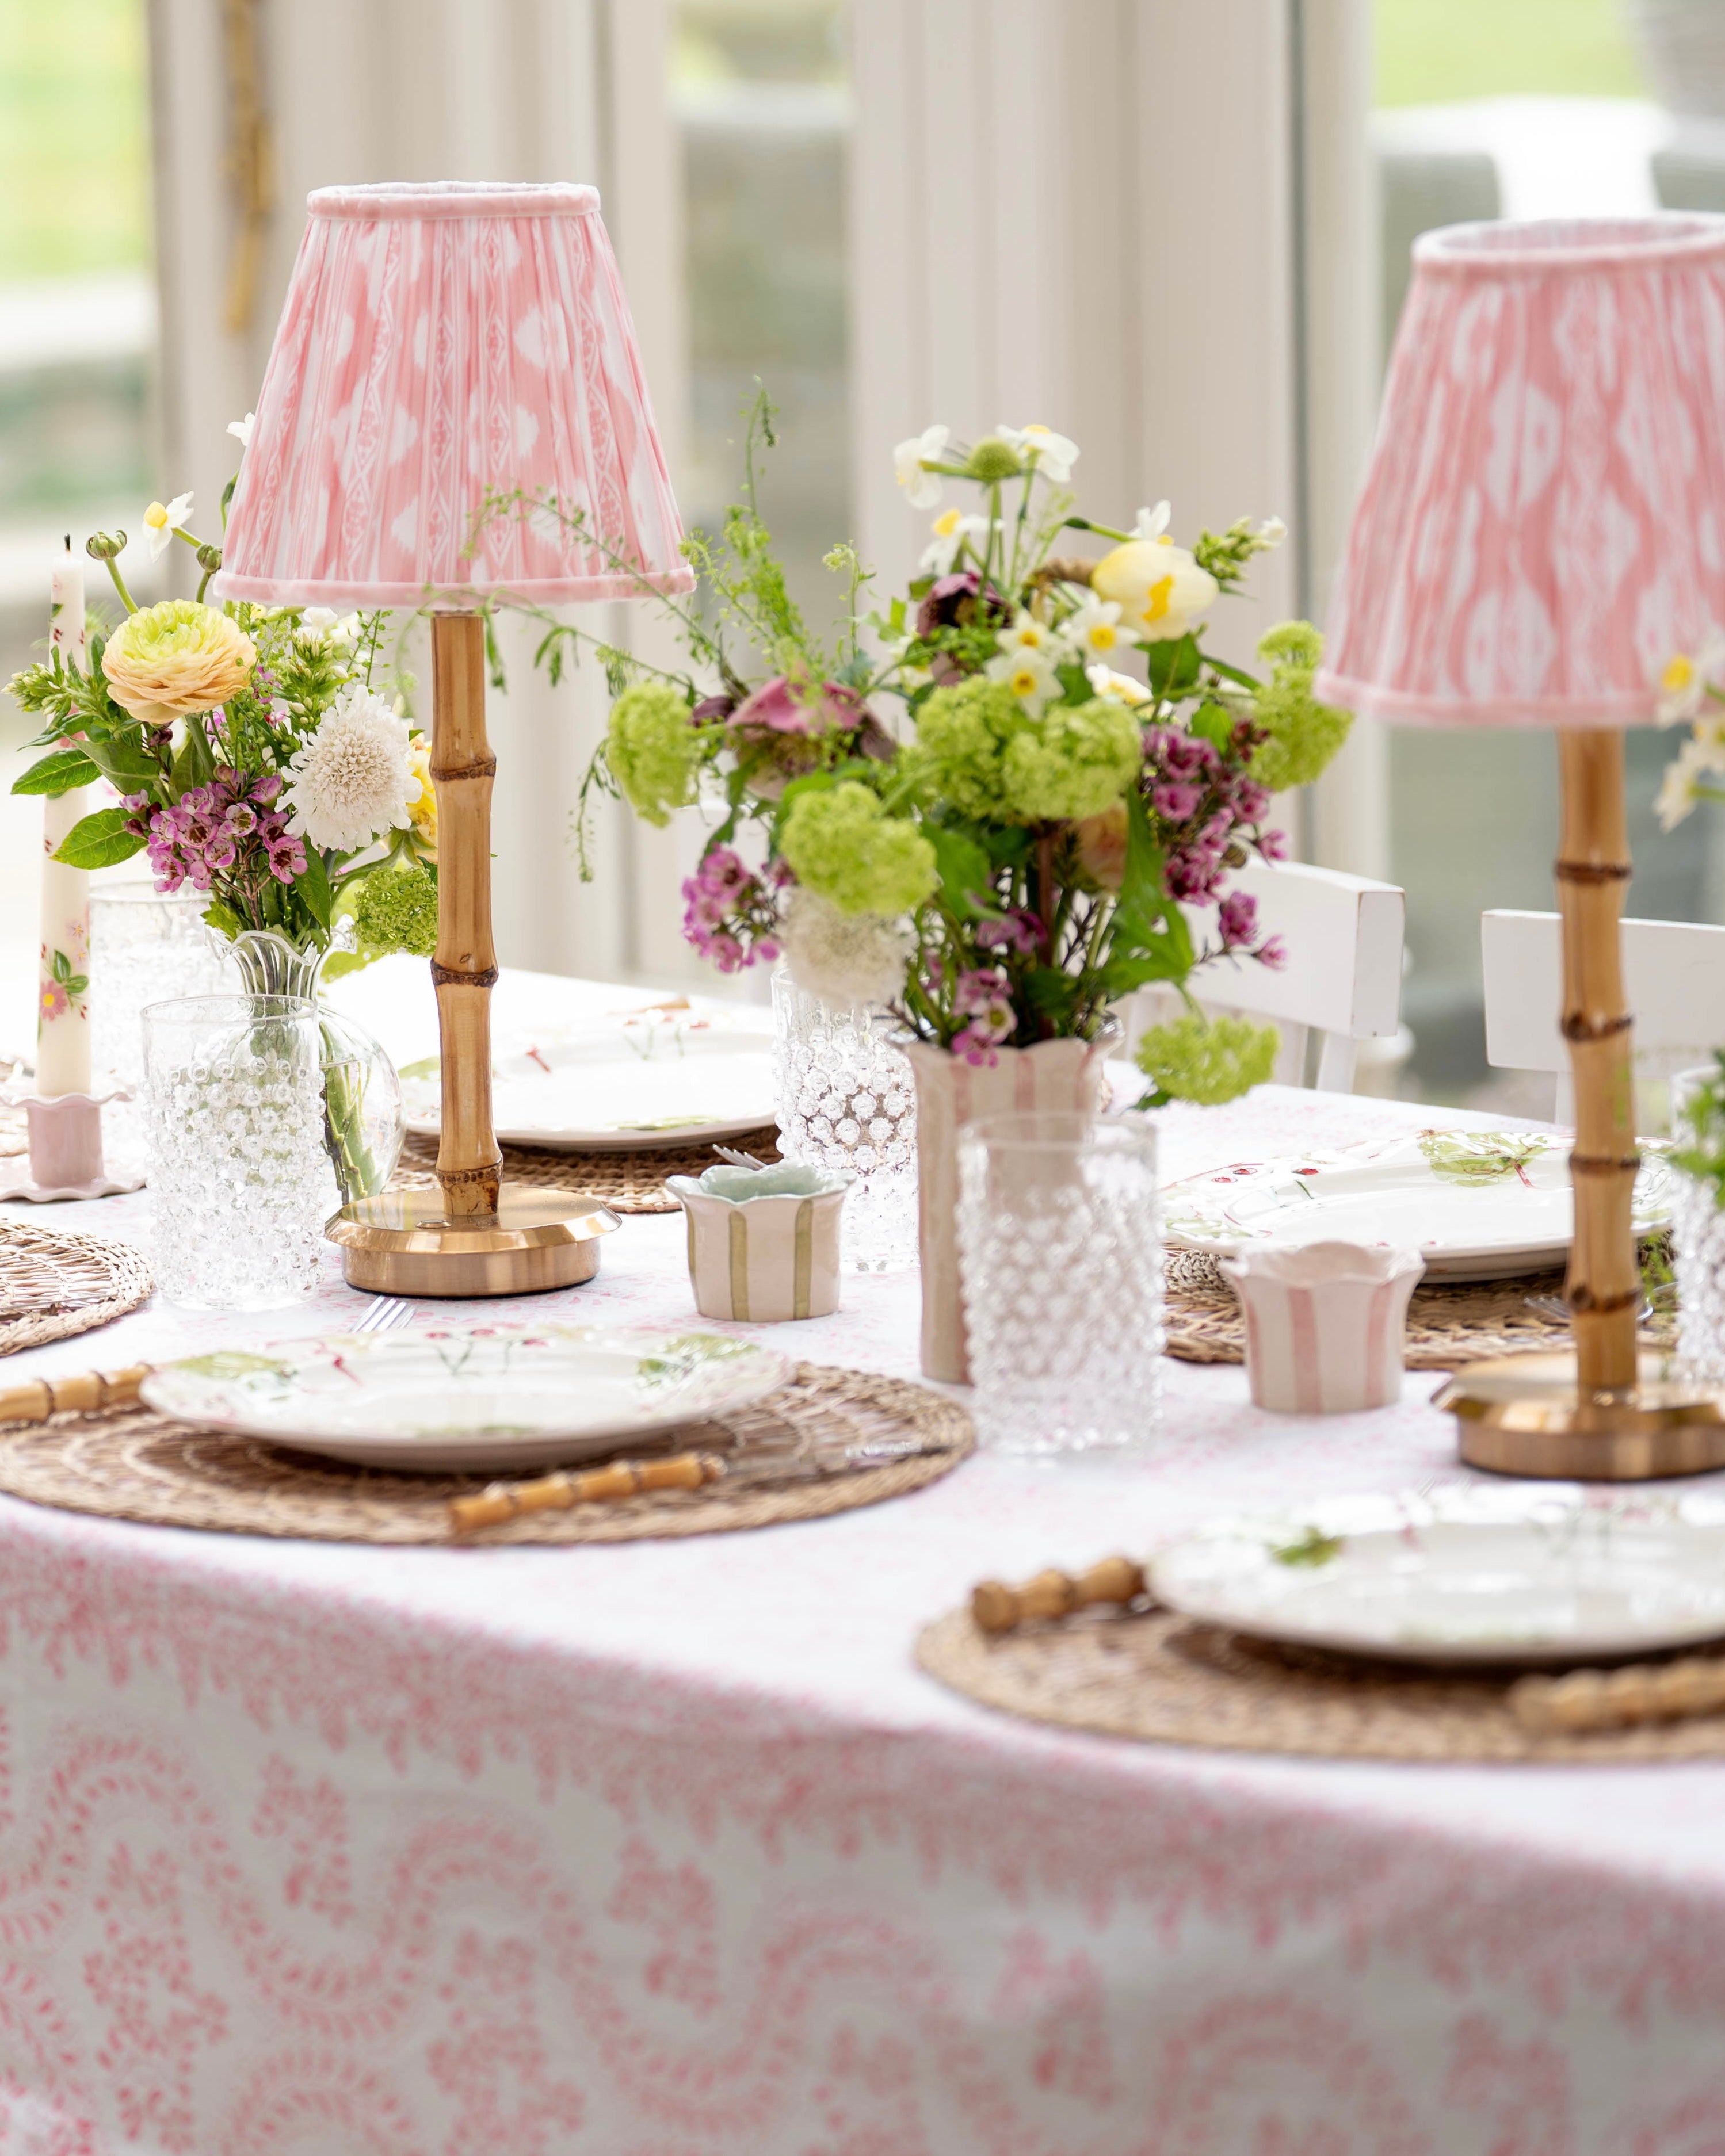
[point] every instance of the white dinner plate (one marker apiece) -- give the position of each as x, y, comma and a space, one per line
1476, 1205
483, 1399
1466, 1576
674, 1075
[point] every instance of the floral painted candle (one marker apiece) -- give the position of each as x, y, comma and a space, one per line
62, 996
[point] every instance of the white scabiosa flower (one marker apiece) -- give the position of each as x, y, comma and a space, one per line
354, 779
844, 958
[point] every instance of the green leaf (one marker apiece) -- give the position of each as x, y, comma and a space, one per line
1173, 665
1228, 673
1052, 991
123, 759
965, 871
313, 888
99, 841
1215, 723
194, 765
221, 916
66, 769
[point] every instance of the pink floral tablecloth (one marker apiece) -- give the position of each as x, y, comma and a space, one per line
668, 1849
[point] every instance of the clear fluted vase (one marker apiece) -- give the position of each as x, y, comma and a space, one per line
363, 1120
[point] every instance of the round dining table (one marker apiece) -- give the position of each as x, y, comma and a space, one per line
669, 1848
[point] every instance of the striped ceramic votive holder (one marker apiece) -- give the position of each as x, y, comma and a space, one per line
763, 1242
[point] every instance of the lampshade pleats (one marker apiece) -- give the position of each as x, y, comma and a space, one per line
427, 360
1540, 528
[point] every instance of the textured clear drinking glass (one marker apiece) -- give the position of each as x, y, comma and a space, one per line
846, 1099
1060, 1256
146, 946
1697, 1251
240, 1179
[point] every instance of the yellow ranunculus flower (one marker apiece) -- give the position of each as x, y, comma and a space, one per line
177, 657
1159, 589
422, 813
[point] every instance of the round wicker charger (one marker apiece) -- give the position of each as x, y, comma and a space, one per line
52, 1285
133, 1464
1167, 1680
1448, 1322
626, 1182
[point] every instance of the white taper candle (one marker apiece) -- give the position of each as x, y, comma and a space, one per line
62, 995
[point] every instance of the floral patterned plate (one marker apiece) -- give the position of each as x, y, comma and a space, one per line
1465, 1575
482, 1399
674, 1075
1476, 1205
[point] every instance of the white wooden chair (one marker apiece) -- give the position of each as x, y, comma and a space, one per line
1674, 972
1343, 979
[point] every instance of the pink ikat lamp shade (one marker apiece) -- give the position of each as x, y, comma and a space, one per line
1542, 525
439, 343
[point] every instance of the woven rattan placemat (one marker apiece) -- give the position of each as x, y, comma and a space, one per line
55, 1284
1448, 1322
1166, 1680
132, 1464
627, 1182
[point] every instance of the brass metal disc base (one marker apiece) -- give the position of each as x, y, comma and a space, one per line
1524, 1414
404, 1243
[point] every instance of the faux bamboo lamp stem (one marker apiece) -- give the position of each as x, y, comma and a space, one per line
474, 1234
469, 1164
1607, 1413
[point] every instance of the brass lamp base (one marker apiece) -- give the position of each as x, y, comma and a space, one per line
1525, 1414
405, 1242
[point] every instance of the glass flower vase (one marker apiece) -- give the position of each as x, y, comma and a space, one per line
363, 1119
1698, 1251
846, 1101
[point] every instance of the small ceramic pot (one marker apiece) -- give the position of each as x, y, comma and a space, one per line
763, 1242
1325, 1323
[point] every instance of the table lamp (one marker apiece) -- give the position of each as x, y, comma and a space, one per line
438, 344
1542, 526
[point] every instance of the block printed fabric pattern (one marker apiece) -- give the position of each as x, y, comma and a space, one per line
1542, 525
438, 344
668, 1849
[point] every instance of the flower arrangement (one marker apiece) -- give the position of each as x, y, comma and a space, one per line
1688, 687
255, 758
1013, 849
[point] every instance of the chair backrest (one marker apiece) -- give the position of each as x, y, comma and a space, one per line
1674, 973
1343, 978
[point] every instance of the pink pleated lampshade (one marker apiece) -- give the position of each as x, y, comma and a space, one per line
1542, 526
439, 344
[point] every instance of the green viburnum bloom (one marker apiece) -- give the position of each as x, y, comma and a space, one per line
1076, 760
1304, 734
397, 911
979, 749
1208, 1060
654, 750
843, 846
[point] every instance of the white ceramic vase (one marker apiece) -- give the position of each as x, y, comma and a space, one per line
950, 1093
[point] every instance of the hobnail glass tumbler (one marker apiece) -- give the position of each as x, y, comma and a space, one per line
242, 1184
846, 1100
1060, 1256
1697, 1249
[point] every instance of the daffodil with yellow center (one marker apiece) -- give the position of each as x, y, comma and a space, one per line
161, 520
1161, 591
1028, 672
1096, 629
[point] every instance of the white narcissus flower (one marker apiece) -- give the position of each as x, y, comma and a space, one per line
1055, 455
1027, 634
1096, 629
1151, 523
1683, 684
353, 779
241, 429
922, 489
1121, 686
1159, 589
950, 529
1271, 531
1703, 754
160, 519
1029, 675
844, 958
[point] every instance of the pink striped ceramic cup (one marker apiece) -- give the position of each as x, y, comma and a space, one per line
1324, 1323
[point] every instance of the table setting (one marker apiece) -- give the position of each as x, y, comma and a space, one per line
581, 1566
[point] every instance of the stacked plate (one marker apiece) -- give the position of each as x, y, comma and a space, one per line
1476, 1205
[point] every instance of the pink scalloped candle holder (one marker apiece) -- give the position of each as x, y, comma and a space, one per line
65, 1154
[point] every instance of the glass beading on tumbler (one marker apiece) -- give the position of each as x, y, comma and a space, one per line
1059, 1254
240, 1179
1698, 1250
846, 1099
